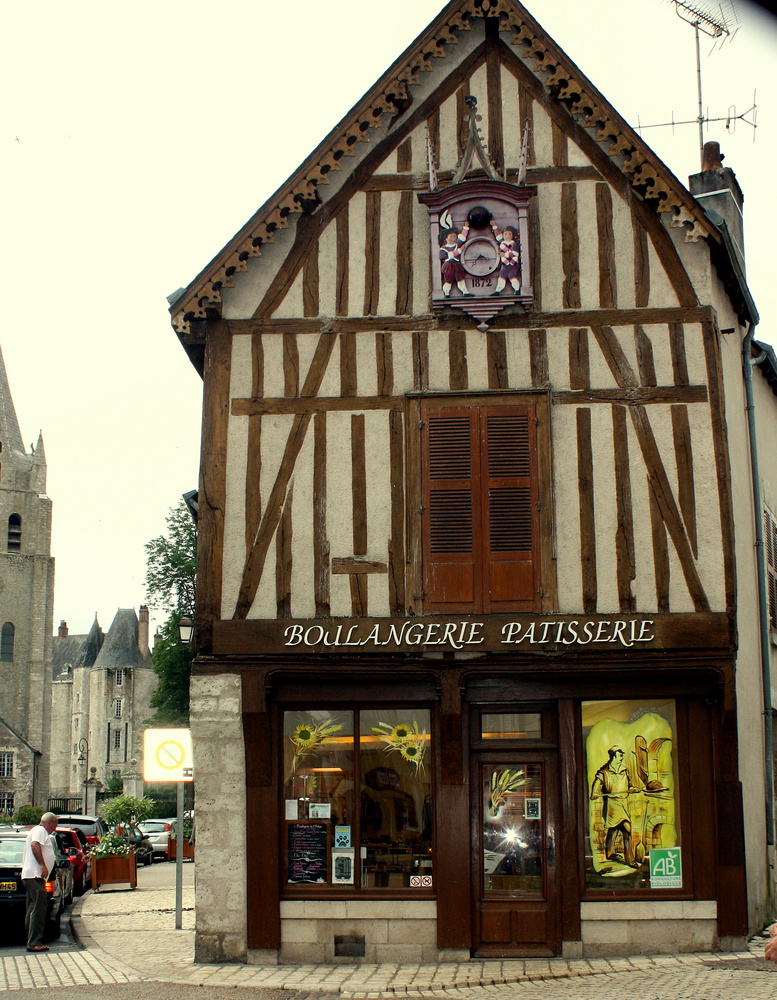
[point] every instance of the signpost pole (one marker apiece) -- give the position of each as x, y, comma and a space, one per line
179, 860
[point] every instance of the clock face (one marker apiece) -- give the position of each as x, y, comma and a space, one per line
480, 256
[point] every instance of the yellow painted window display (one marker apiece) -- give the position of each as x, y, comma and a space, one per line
632, 789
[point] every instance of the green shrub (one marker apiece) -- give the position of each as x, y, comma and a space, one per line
28, 815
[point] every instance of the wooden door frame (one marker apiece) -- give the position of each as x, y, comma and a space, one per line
549, 758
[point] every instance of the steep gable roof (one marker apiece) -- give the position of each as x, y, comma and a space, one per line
120, 648
393, 96
10, 434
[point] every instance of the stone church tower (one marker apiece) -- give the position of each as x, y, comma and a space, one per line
26, 613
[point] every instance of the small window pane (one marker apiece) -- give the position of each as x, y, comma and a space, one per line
512, 726
396, 798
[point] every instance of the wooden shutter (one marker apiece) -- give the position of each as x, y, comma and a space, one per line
770, 536
480, 516
451, 512
510, 528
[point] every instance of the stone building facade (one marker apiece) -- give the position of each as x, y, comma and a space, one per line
483, 661
26, 612
100, 703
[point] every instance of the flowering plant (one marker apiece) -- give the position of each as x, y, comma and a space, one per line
406, 739
110, 844
307, 739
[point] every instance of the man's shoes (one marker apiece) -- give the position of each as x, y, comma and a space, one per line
39, 947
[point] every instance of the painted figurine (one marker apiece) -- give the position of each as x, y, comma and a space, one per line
612, 784
452, 271
510, 254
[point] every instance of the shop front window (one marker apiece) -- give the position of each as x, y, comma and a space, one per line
357, 798
633, 830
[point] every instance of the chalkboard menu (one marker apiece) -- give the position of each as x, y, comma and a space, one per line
307, 851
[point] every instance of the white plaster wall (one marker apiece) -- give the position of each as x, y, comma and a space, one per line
588, 242
303, 600
389, 219
357, 243
290, 305
512, 126
570, 586
552, 274
477, 360
543, 137
402, 345
327, 270
605, 509
339, 514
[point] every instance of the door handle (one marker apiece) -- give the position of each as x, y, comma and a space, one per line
550, 851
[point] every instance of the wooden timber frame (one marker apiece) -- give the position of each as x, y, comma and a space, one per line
693, 658
702, 680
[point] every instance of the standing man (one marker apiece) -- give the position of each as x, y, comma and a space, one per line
613, 785
37, 865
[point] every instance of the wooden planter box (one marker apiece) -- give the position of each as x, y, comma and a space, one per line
172, 850
115, 869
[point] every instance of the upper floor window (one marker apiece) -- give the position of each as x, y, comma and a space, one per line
119, 677
770, 534
117, 739
481, 537
117, 708
6, 764
7, 638
14, 533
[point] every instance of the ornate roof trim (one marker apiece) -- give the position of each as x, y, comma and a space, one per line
648, 175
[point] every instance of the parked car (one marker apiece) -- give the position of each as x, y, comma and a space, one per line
158, 832
94, 827
13, 896
144, 851
79, 850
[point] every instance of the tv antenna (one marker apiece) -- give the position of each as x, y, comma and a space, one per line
720, 22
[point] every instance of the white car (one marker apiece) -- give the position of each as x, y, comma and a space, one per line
158, 832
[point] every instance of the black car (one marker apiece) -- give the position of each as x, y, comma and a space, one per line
139, 842
13, 896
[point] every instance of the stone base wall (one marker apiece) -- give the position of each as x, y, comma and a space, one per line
219, 765
403, 931
649, 928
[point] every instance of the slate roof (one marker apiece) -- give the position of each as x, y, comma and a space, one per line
77, 650
120, 648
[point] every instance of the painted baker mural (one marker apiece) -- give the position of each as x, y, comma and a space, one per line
632, 798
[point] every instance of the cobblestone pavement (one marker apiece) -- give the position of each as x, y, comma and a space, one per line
131, 948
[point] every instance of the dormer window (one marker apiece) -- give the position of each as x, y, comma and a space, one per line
15, 533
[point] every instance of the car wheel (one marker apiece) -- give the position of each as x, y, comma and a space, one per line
78, 886
147, 860
69, 897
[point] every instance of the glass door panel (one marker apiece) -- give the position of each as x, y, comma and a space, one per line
513, 855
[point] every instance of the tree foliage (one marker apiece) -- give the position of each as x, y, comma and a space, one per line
170, 574
126, 810
173, 666
170, 564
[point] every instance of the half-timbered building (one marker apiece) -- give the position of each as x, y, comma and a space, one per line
480, 668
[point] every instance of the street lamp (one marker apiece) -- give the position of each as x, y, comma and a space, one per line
186, 630
83, 760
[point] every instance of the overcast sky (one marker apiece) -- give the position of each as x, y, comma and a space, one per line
137, 139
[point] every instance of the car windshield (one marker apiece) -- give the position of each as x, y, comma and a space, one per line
88, 826
11, 851
153, 827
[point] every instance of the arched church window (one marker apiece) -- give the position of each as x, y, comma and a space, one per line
7, 635
14, 533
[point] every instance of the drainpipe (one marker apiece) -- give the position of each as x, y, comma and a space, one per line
760, 556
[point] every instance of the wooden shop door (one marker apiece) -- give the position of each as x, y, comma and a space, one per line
514, 815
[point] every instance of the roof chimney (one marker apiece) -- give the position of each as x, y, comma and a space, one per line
718, 192
62, 631
143, 629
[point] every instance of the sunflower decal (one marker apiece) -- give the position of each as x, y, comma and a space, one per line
406, 739
307, 739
